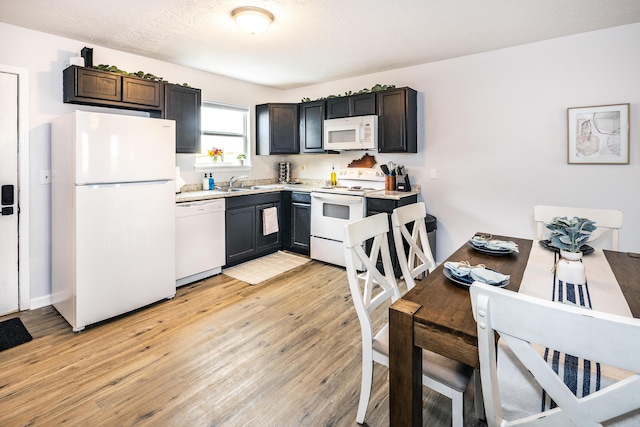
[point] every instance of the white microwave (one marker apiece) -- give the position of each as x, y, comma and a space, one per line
351, 133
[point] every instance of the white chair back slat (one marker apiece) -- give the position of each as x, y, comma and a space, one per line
607, 220
522, 321
369, 290
419, 257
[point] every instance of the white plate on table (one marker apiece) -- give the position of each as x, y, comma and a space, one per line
468, 280
494, 252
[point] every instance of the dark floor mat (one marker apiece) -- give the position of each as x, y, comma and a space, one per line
13, 333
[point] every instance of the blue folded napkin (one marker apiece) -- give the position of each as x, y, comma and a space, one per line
463, 270
493, 244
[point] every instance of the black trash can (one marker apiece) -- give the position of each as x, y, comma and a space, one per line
431, 225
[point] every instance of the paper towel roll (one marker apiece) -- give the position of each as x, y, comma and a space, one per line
179, 181
77, 60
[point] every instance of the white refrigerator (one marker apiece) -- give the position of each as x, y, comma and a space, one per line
113, 214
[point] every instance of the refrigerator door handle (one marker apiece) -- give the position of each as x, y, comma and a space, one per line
124, 184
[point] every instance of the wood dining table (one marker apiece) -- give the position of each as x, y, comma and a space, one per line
436, 315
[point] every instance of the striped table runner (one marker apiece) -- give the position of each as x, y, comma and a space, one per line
520, 393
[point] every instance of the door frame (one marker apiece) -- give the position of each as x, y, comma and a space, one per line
24, 299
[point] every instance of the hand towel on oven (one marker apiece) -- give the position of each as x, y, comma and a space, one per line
269, 221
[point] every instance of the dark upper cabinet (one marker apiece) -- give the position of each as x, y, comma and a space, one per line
362, 104
183, 105
90, 86
93, 84
397, 121
312, 126
141, 91
337, 107
277, 129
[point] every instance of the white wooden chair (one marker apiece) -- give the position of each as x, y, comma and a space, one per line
605, 219
523, 320
374, 288
419, 258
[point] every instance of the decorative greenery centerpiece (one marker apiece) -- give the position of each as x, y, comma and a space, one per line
216, 154
377, 88
140, 74
570, 234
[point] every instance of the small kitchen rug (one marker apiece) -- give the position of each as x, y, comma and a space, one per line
13, 333
266, 267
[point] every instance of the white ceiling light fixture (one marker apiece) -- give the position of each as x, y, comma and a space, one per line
252, 20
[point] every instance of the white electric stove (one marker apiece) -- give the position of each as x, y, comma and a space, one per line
333, 207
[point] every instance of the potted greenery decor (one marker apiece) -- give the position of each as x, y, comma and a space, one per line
241, 158
569, 235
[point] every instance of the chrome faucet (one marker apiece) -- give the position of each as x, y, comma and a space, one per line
233, 181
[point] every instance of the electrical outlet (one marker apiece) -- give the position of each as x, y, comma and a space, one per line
45, 177
268, 167
302, 166
434, 173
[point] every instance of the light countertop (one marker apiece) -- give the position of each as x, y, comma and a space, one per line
192, 196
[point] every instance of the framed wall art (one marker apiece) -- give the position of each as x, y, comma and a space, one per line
598, 135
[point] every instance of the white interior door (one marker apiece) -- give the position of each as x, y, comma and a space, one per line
9, 184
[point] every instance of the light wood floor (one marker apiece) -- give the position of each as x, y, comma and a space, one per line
285, 352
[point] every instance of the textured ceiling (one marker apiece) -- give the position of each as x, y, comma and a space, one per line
314, 41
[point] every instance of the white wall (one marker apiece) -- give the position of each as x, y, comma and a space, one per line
46, 56
492, 125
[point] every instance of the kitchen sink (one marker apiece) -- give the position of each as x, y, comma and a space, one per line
267, 186
226, 190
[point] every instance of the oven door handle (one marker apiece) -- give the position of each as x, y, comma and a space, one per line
337, 198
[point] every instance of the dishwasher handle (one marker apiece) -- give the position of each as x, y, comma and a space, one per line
200, 207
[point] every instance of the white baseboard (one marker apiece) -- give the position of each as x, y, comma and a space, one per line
40, 302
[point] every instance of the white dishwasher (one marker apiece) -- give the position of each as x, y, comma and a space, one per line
200, 242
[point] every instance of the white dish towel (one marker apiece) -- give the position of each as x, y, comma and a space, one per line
269, 221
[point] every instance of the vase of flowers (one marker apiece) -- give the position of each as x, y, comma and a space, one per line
241, 158
216, 154
568, 235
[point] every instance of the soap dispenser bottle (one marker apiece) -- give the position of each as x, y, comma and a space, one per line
205, 182
333, 176
211, 182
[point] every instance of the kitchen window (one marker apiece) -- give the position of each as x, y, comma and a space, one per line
224, 128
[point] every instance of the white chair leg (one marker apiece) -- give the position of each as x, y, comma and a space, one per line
478, 401
365, 389
457, 409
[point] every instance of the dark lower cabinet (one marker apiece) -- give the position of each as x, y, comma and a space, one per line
270, 242
300, 222
243, 227
376, 206
240, 226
